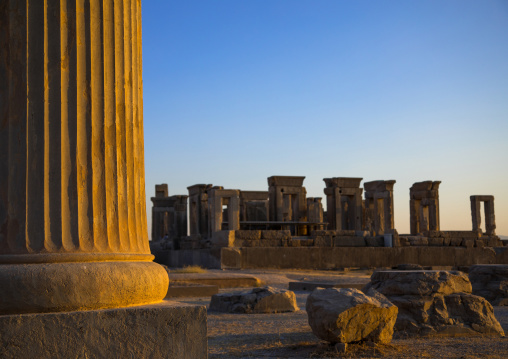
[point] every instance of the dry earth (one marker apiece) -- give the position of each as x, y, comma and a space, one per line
288, 335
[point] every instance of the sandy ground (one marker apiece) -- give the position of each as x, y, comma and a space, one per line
288, 335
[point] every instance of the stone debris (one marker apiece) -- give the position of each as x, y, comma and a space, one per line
435, 303
258, 300
490, 282
349, 316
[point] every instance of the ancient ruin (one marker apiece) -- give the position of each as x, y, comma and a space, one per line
243, 229
73, 231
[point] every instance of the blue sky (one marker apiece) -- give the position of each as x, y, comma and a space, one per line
236, 91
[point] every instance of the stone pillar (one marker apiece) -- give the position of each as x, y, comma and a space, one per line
490, 218
198, 209
314, 209
344, 205
379, 206
73, 231
424, 207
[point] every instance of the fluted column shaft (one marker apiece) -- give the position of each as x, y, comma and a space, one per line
71, 131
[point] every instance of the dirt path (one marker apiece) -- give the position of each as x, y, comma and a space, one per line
288, 335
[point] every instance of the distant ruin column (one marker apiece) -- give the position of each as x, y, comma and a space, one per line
490, 218
344, 204
198, 210
73, 231
424, 206
379, 206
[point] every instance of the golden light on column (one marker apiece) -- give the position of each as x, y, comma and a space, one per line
72, 196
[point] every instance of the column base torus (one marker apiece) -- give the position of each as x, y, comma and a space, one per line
163, 330
57, 287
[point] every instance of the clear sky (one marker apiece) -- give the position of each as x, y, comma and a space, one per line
236, 91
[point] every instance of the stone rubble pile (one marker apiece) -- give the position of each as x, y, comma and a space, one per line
490, 282
435, 303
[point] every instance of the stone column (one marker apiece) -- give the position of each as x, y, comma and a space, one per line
73, 231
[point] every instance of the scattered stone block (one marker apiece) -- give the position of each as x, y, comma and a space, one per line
341, 241
309, 286
258, 300
348, 315
341, 348
455, 241
435, 303
490, 282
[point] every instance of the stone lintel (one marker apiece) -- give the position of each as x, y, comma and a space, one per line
198, 188
254, 195
482, 198
379, 186
350, 182
169, 201
289, 181
133, 332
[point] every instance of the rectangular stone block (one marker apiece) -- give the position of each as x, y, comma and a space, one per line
344, 232
275, 234
343, 241
479, 243
304, 242
374, 241
319, 233
436, 241
455, 241
248, 235
418, 241
468, 243
163, 330
323, 241
223, 239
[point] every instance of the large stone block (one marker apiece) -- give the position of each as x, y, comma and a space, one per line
490, 282
163, 330
251, 235
348, 315
341, 241
276, 235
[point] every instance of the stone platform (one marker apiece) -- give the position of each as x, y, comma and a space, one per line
162, 330
221, 280
334, 258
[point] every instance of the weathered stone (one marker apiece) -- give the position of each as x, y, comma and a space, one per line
374, 241
163, 330
409, 266
479, 243
340, 241
435, 303
418, 241
419, 282
248, 235
455, 241
258, 300
468, 243
223, 238
348, 315
275, 234
490, 282
436, 241
323, 241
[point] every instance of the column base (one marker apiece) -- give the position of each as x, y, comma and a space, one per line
163, 330
57, 287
